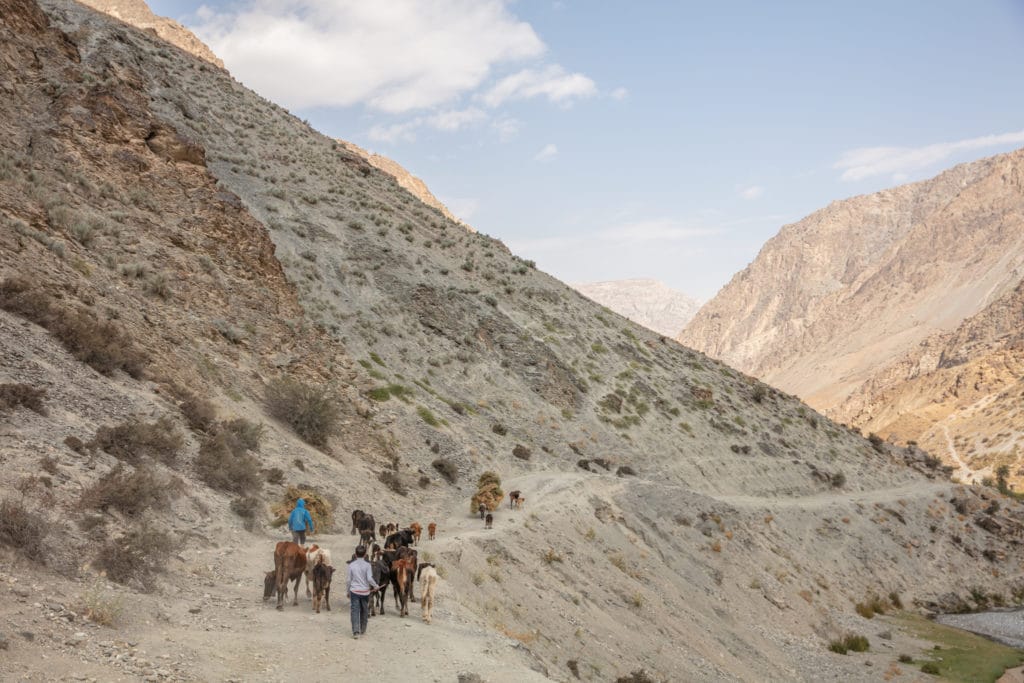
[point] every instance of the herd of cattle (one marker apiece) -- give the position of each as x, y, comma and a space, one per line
396, 564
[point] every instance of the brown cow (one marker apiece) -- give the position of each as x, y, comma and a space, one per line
431, 529
488, 520
404, 571
417, 531
289, 564
322, 574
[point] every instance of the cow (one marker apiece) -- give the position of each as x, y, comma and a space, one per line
519, 502
404, 569
513, 498
482, 509
381, 576
390, 529
392, 556
488, 520
363, 521
417, 531
289, 565
366, 537
375, 552
383, 531
428, 586
431, 530
357, 515
322, 574
314, 554
399, 539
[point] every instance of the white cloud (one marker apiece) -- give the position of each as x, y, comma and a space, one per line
463, 207
663, 230
396, 56
619, 94
866, 162
448, 121
507, 128
547, 153
552, 82
752, 192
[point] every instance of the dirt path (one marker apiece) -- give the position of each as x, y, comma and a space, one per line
821, 500
963, 472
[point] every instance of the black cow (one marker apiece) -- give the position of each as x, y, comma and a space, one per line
357, 515
399, 539
390, 556
381, 575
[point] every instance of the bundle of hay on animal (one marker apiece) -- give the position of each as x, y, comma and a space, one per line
320, 509
488, 493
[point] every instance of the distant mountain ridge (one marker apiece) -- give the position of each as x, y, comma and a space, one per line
872, 308
647, 302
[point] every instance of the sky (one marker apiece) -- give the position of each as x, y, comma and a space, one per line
609, 139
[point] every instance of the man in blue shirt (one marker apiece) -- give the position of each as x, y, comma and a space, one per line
299, 521
360, 585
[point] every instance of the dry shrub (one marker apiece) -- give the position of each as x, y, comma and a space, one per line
199, 413
101, 609
138, 556
75, 444
22, 395
274, 475
224, 463
99, 343
320, 509
311, 411
131, 493
447, 469
245, 433
393, 482
521, 452
638, 676
248, 508
488, 492
132, 440
23, 529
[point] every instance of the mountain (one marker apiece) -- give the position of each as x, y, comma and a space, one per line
405, 179
872, 292
208, 308
650, 303
138, 14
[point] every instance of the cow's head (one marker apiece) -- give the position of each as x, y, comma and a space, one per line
269, 583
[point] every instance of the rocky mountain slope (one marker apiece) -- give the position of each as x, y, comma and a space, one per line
406, 180
204, 302
916, 285
137, 13
646, 302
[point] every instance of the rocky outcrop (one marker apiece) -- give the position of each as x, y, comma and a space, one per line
650, 303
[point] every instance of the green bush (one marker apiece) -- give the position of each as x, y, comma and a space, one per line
311, 411
930, 668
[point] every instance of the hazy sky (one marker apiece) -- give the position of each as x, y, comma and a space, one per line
666, 139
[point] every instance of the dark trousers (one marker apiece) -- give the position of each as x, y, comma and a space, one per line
299, 537
360, 612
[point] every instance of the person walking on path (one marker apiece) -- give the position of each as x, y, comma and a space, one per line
298, 521
360, 585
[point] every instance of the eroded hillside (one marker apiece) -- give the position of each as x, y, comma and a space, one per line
681, 516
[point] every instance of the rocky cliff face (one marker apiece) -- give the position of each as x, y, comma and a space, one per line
646, 302
853, 296
174, 250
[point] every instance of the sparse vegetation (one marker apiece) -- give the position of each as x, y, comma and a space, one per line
97, 343
22, 395
447, 469
224, 463
427, 416
393, 482
381, 394
135, 439
137, 556
131, 492
248, 508
23, 528
100, 608
849, 643
522, 452
311, 411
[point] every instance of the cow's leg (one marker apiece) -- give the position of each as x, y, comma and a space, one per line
327, 597
295, 602
282, 589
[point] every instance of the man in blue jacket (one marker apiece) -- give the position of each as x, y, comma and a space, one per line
299, 521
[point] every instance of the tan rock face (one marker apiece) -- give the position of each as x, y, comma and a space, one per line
646, 302
878, 290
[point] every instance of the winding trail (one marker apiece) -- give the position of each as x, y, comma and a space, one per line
963, 472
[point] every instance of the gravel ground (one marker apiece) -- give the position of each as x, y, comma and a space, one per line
1006, 626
